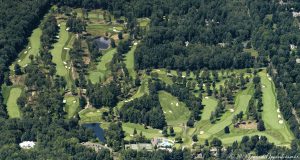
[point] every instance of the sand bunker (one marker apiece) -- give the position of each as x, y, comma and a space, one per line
231, 110
165, 112
263, 86
19, 60
64, 101
279, 116
66, 48
177, 104
67, 29
57, 36
170, 111
171, 103
29, 47
98, 111
278, 111
201, 132
206, 97
74, 101
280, 121
25, 52
135, 43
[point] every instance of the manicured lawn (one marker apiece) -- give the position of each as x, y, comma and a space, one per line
91, 115
71, 106
58, 49
12, 107
129, 61
270, 114
102, 68
148, 133
210, 106
176, 112
35, 44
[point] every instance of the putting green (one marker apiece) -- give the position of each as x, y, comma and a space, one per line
72, 105
270, 107
176, 112
12, 107
102, 68
129, 61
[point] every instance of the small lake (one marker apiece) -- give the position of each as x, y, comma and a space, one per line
98, 131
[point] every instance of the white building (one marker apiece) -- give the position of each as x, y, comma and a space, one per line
27, 144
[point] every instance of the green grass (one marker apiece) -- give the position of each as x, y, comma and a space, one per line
144, 22
102, 68
210, 106
176, 112
71, 107
91, 115
269, 114
58, 49
148, 133
252, 51
129, 61
12, 107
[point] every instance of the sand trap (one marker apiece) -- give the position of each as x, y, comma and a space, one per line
66, 48
115, 30
64, 101
203, 85
206, 97
201, 132
183, 76
270, 79
279, 116
177, 104
165, 112
57, 36
263, 86
69, 68
135, 43
125, 101
158, 70
65, 63
74, 101
66, 67
171, 103
25, 65
19, 60
29, 47
280, 121
278, 111
231, 110
67, 29
170, 111
98, 111
25, 52
58, 25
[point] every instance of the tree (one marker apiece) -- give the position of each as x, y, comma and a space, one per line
112, 43
195, 138
216, 142
120, 35
178, 139
134, 131
165, 132
226, 130
17, 69
172, 133
22, 101
261, 125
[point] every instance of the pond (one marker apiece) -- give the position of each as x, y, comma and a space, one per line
98, 131
102, 43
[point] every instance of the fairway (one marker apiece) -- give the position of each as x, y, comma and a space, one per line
12, 107
148, 133
102, 68
270, 107
35, 44
58, 49
176, 112
72, 106
210, 106
129, 61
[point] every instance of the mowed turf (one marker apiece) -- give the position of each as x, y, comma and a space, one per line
176, 112
210, 105
102, 68
129, 61
58, 49
72, 105
148, 133
35, 44
270, 107
91, 115
12, 107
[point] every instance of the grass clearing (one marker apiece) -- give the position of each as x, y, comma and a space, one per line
72, 105
92, 115
176, 112
12, 106
58, 49
129, 61
102, 68
270, 114
148, 133
252, 51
